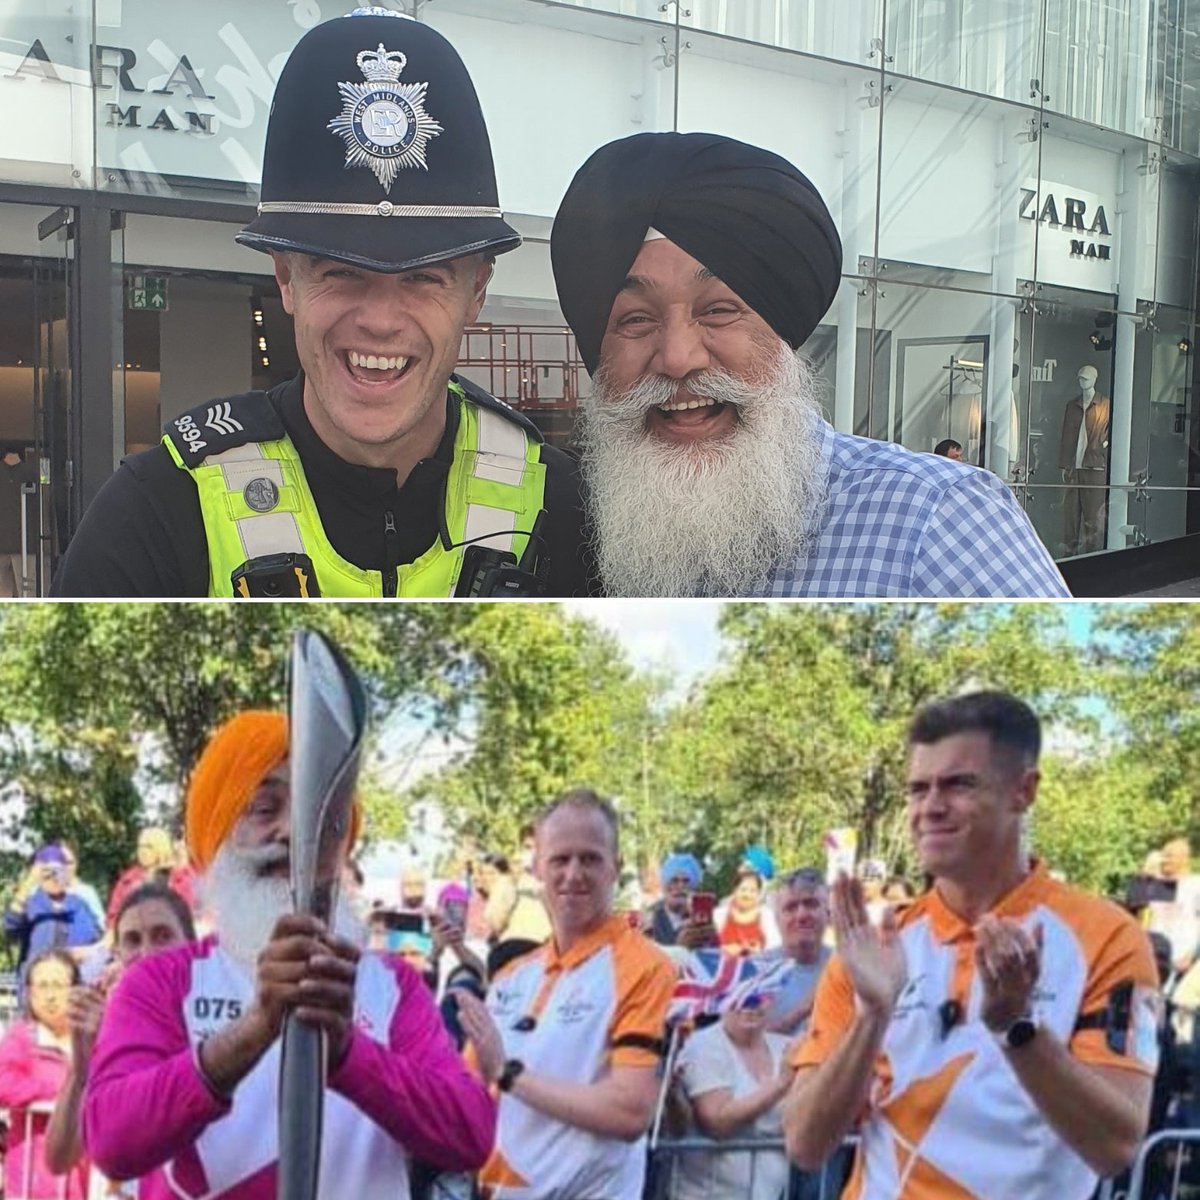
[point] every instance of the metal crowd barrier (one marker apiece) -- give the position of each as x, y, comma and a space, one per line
691, 1165
28, 1116
1145, 1183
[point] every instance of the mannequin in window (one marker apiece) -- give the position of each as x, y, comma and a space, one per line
1083, 459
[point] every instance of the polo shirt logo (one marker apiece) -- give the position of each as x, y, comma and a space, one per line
910, 999
574, 1007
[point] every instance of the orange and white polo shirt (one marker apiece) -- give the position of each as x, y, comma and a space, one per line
947, 1117
571, 1017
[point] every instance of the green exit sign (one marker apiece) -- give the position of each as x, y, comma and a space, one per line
148, 292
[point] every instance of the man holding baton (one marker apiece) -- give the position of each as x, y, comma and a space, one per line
185, 1073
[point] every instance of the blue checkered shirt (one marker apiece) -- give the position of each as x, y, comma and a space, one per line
898, 523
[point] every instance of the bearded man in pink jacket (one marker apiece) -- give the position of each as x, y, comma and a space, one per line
185, 1074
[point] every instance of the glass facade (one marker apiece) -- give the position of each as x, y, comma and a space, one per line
1015, 183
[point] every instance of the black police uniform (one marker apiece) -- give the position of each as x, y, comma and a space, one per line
143, 536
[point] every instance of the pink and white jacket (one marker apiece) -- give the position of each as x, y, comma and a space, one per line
31, 1074
400, 1089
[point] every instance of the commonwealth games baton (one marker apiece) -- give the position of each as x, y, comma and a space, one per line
326, 722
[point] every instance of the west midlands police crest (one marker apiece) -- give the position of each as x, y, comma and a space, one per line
383, 121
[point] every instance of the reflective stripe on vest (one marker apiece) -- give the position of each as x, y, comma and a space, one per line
494, 491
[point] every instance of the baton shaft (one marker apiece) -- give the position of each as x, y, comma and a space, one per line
301, 1105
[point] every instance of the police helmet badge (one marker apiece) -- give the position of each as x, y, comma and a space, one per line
383, 121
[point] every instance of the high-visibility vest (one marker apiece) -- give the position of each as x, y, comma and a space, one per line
255, 500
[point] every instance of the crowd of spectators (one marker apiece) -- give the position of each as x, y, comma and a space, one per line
667, 1050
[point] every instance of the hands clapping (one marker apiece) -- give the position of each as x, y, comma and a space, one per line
873, 958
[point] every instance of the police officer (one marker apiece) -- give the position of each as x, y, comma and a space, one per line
376, 472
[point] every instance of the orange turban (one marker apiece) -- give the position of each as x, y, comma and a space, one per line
238, 757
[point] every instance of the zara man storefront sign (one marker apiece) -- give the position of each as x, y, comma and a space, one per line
1076, 232
1075, 217
153, 89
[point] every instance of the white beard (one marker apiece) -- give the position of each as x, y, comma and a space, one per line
245, 905
716, 517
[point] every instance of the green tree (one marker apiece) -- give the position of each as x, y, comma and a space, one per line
548, 703
84, 687
1149, 658
1097, 814
802, 729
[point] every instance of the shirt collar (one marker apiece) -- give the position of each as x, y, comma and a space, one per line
607, 932
374, 481
948, 926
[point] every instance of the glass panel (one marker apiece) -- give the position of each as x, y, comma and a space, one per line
563, 78
649, 10
848, 30
1079, 426
195, 307
45, 93
1170, 419
840, 352
181, 104
1098, 63
986, 46
959, 175
1177, 56
35, 393
762, 94
1176, 259
1097, 212
950, 374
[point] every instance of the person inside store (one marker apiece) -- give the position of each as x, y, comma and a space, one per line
949, 448
692, 268
184, 1080
376, 471
1000, 1036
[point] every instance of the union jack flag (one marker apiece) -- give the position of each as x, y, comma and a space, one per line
713, 982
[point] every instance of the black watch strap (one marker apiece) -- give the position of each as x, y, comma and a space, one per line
508, 1074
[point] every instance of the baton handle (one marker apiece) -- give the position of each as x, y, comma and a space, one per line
301, 1109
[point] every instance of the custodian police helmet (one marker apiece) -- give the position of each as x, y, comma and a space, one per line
377, 154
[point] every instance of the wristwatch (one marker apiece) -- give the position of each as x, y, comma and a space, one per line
1020, 1033
508, 1074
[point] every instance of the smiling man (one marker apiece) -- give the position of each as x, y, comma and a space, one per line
692, 267
572, 1034
376, 472
999, 1037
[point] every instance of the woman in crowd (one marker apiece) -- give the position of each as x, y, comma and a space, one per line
35, 1059
156, 863
734, 1076
745, 923
152, 918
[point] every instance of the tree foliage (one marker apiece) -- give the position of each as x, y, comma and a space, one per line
802, 729
1148, 656
549, 704
799, 729
86, 687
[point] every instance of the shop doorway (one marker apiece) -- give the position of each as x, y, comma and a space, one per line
35, 395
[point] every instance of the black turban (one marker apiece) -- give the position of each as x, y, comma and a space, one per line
749, 216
